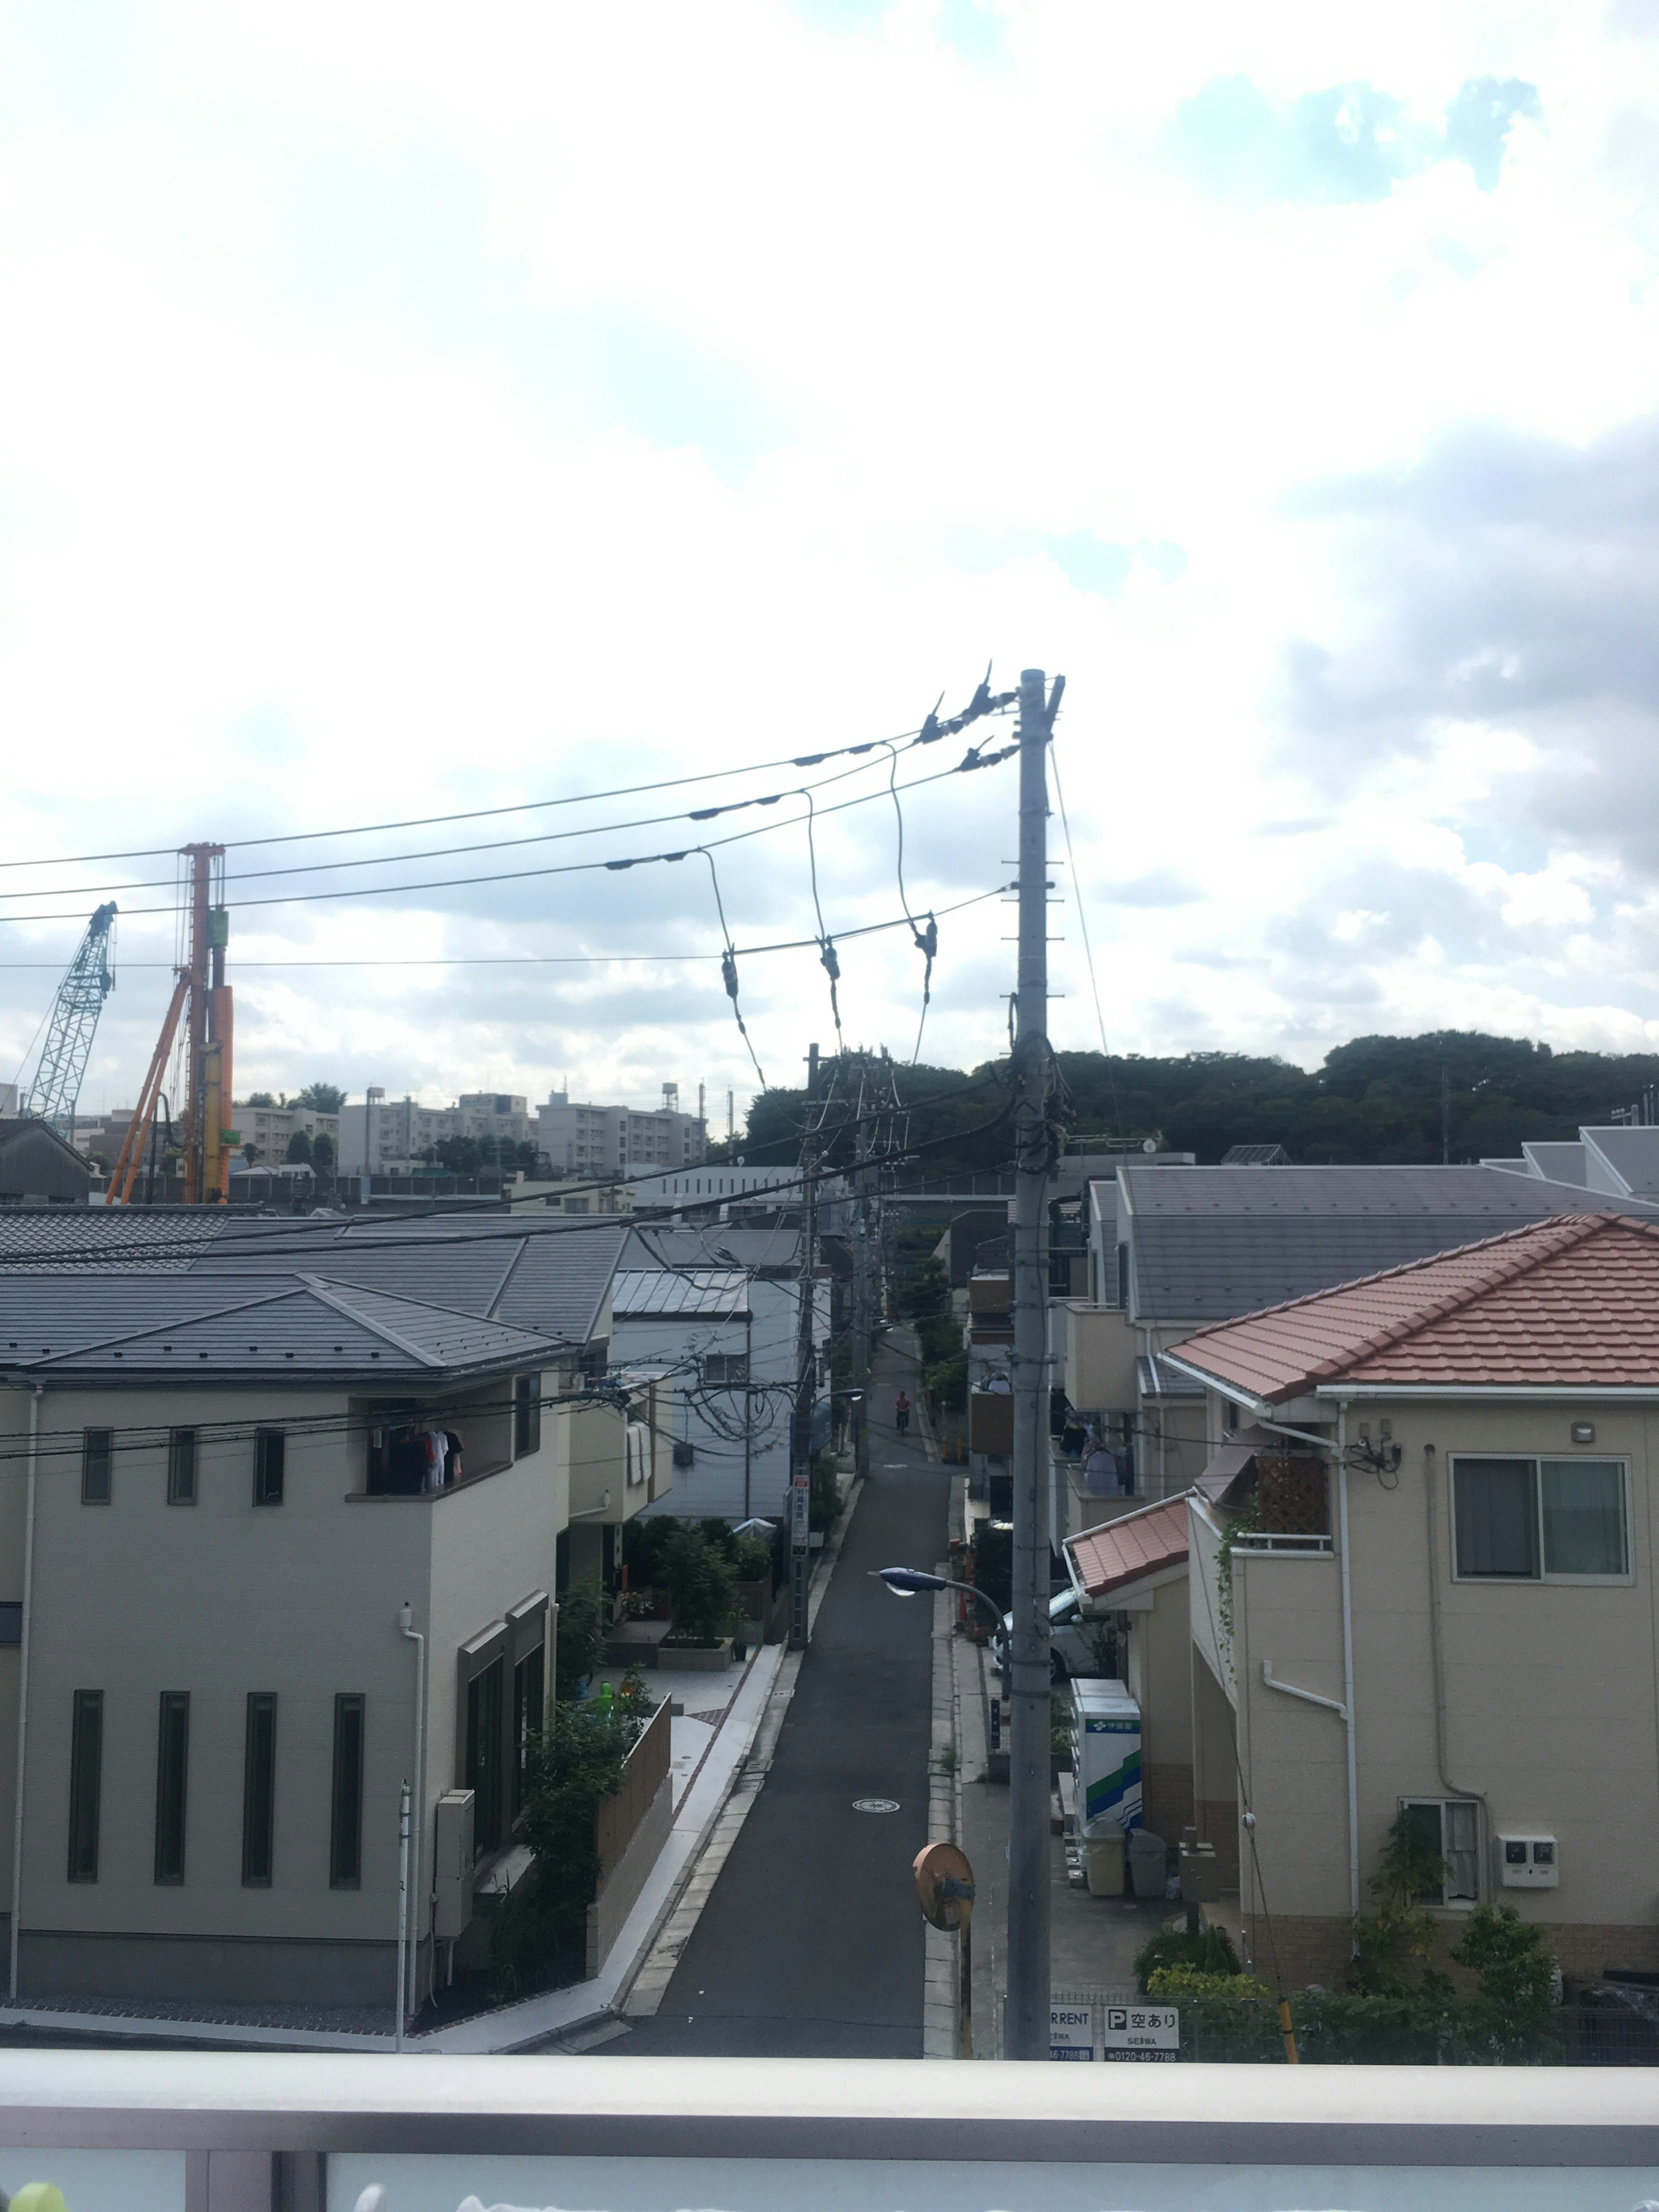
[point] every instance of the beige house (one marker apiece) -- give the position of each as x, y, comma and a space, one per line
1423, 1579
273, 1541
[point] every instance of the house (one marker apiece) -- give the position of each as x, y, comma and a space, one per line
1172, 1248
243, 1610
720, 1307
1422, 1581
39, 1168
1618, 1161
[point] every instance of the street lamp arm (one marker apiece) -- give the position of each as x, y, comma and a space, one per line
909, 1582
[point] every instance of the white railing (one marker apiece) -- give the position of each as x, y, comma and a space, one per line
172, 2132
1267, 1540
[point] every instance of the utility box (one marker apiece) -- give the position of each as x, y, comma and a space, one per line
452, 1866
1529, 1862
1200, 1874
1105, 1754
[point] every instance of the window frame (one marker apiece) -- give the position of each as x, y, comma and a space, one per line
259, 1789
268, 1443
89, 1495
526, 1415
183, 1446
486, 1764
1536, 1461
86, 1789
345, 1798
1447, 1903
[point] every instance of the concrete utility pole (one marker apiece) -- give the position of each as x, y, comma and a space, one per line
807, 1374
1027, 2035
861, 1287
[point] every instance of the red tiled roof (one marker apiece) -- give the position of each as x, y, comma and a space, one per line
1573, 1301
1124, 1551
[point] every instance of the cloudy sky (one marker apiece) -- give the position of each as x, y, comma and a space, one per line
407, 411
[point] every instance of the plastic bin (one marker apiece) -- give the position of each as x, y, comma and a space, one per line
1103, 1864
1147, 1871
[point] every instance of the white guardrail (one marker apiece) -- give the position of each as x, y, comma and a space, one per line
170, 2132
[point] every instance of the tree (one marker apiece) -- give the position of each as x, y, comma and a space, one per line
251, 1152
322, 1097
702, 1586
583, 1630
322, 1151
259, 1098
299, 1152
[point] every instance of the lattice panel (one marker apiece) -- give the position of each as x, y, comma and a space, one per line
1293, 1494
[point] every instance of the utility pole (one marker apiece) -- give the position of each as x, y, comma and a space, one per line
807, 1374
861, 1313
1027, 2035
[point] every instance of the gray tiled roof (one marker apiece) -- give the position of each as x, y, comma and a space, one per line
162, 1240
715, 1245
1212, 1242
656, 1290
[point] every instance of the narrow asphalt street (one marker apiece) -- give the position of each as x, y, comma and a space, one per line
810, 1943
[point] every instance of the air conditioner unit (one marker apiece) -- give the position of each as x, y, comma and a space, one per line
1527, 1862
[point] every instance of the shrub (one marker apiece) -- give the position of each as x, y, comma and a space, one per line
540, 1930
1513, 2019
925, 1290
1400, 1929
823, 1500
702, 1586
754, 1559
1211, 1951
583, 1631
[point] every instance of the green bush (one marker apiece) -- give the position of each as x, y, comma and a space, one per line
1211, 1951
754, 1559
823, 1500
1513, 2019
924, 1290
947, 1380
584, 1630
540, 1930
702, 1586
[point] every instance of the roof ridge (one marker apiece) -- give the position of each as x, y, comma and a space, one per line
1572, 1229
340, 1296
1552, 1221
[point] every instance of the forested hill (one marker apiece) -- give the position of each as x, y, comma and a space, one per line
1378, 1098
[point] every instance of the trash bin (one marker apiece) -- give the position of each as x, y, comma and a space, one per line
1146, 1857
1103, 1862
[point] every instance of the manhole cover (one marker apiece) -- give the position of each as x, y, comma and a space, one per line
875, 1805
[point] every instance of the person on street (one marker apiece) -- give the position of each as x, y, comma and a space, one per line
901, 1412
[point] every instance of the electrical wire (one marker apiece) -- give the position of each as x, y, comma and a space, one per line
828, 960
974, 760
1088, 953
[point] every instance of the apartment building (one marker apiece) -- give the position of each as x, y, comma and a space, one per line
1422, 1581
595, 1140
377, 1133
296, 1509
269, 1129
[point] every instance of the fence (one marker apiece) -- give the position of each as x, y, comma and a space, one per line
619, 1813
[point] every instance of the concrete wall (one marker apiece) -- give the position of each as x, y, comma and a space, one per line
1159, 1663
1551, 1690
620, 1892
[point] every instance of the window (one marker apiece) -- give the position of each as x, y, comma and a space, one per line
86, 1781
181, 1467
259, 1790
528, 1711
1540, 1519
725, 1367
345, 1825
484, 1756
1448, 1829
97, 1451
269, 1452
526, 1414
172, 1784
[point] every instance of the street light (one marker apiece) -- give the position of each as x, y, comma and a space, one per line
910, 1582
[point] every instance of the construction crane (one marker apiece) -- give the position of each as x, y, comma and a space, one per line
201, 1000
51, 1096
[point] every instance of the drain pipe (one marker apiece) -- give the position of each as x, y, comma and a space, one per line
1348, 1720
23, 1686
1437, 1654
406, 1627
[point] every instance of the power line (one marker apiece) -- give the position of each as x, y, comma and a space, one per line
932, 729
973, 760
1088, 952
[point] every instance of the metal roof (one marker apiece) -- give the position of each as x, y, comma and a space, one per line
718, 1244
1211, 1243
711, 1293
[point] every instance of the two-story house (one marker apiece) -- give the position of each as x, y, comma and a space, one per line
1422, 1580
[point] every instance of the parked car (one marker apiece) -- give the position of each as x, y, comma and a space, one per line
1080, 1643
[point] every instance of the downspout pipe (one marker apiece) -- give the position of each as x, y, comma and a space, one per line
1437, 1656
23, 1687
411, 1923
1348, 1719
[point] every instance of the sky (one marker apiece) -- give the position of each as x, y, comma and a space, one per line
408, 412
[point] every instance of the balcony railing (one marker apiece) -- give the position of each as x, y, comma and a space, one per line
185, 2132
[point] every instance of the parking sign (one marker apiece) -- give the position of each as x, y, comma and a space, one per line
1150, 2031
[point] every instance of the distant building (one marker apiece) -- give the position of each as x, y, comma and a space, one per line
376, 1134
627, 1140
37, 1168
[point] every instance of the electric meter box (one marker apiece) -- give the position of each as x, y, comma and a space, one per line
1105, 1755
1529, 1862
451, 1865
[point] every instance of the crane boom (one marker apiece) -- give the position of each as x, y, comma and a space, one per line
52, 1094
